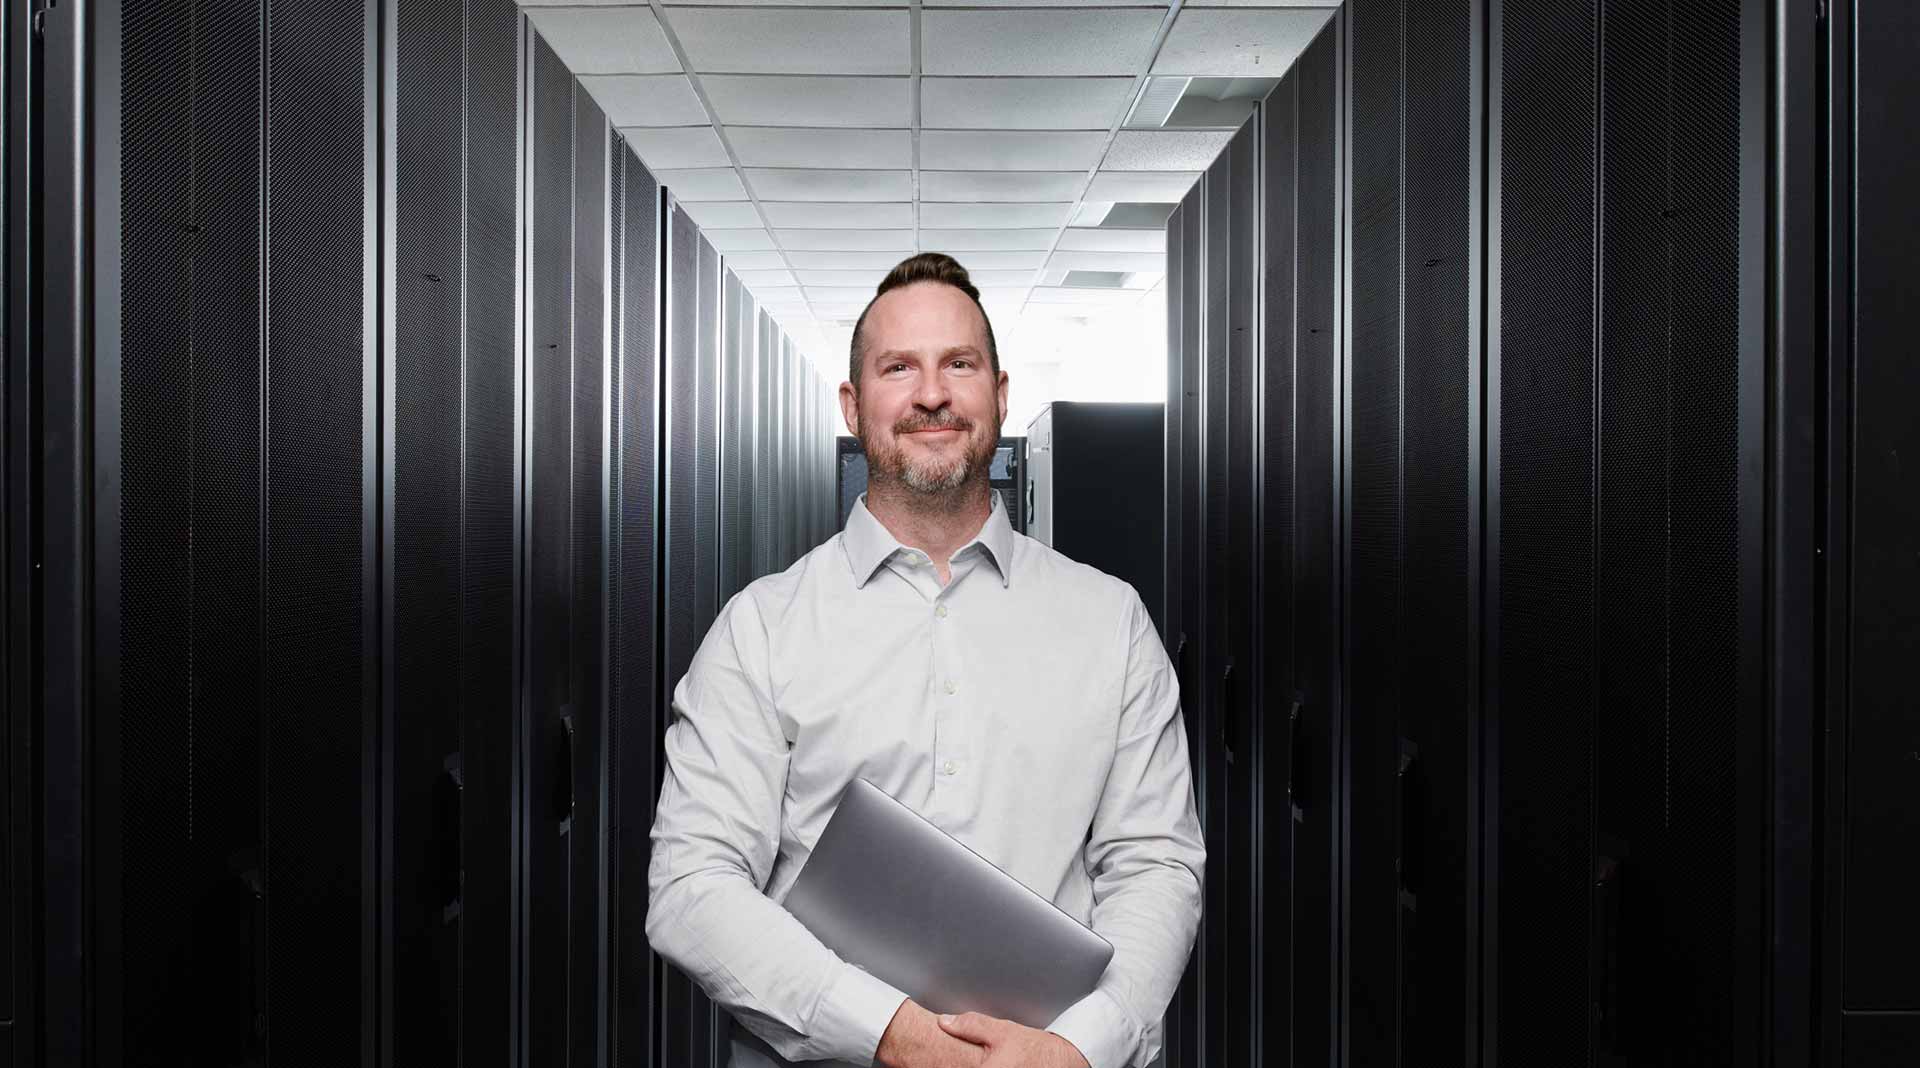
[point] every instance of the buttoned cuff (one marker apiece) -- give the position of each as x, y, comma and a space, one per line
1100, 1029
853, 1015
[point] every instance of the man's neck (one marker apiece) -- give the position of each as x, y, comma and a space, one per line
937, 526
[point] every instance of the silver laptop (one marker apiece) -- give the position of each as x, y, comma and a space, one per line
897, 896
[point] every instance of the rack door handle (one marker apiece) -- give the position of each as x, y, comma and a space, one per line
449, 800
1229, 712
563, 775
1296, 762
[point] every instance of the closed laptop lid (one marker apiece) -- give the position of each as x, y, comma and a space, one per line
895, 895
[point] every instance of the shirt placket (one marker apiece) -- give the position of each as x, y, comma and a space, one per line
953, 757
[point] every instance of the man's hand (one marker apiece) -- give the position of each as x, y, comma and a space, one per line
914, 1040
1011, 1045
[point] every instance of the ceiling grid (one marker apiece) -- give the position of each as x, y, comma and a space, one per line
818, 143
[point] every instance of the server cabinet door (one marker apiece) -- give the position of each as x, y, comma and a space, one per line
689, 1021
565, 563
1434, 754
1629, 522
636, 717
1236, 669
1313, 599
1880, 994
233, 610
1276, 538
450, 562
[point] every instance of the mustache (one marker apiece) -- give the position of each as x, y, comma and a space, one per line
944, 421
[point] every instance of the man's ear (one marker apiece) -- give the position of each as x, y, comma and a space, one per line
850, 407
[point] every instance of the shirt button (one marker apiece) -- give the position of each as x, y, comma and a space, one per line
951, 687
947, 768
941, 611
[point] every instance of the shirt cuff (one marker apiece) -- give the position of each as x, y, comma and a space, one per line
1100, 1029
853, 1016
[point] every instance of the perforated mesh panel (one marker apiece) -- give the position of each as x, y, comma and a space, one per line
426, 567
588, 607
1436, 845
317, 362
637, 715
190, 606
1315, 560
492, 362
706, 548
1374, 622
1276, 543
1546, 561
549, 567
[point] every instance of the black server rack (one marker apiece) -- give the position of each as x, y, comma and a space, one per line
1094, 487
1008, 478
635, 714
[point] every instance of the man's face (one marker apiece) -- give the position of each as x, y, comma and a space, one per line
929, 406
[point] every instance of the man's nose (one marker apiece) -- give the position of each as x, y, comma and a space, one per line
932, 393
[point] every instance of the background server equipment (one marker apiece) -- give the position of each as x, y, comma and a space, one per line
1094, 489
1008, 477
381, 437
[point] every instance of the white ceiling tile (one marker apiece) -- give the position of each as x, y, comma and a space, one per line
1023, 103
1157, 187
1238, 44
1002, 295
869, 279
759, 280
617, 40
781, 214
1001, 185
838, 311
1011, 150
986, 280
645, 99
1165, 150
677, 146
848, 261
753, 3
848, 241
1031, 41
755, 240
703, 183
785, 146
1051, 295
1108, 261
770, 183
755, 261
991, 240
776, 295
794, 40
788, 100
1190, 3
1092, 239
994, 216
721, 213
839, 294
1000, 261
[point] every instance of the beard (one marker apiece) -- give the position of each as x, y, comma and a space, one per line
933, 477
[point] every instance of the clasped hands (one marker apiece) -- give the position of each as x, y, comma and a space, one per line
918, 1039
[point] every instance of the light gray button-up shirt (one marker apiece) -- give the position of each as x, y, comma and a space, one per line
1027, 708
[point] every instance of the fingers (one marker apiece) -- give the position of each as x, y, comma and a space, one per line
975, 1027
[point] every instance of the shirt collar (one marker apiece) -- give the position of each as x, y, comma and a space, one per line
868, 543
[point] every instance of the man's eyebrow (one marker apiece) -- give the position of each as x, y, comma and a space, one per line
957, 350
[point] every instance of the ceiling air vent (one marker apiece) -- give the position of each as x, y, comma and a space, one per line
1156, 101
1096, 279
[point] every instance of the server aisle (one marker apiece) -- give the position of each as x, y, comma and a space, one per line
387, 492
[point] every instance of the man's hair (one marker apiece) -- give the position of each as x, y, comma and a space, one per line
926, 267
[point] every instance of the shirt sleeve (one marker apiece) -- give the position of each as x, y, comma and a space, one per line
715, 835
1147, 859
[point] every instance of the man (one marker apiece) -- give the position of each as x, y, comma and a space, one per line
1020, 701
